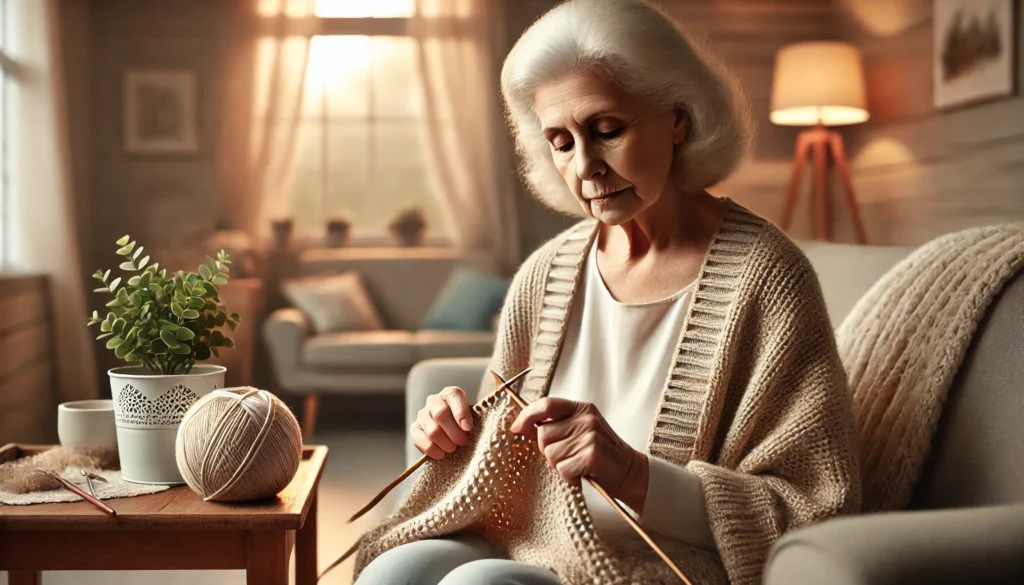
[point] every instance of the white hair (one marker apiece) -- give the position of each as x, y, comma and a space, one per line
633, 45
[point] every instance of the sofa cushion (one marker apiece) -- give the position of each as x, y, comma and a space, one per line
334, 303
361, 349
449, 344
468, 302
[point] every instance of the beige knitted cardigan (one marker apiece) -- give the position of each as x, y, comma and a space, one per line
904, 341
755, 403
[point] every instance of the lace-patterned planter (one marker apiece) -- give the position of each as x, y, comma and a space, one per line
147, 411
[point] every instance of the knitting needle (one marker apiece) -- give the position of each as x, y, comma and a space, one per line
85, 496
615, 503
423, 459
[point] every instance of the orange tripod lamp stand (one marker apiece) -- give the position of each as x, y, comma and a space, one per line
819, 84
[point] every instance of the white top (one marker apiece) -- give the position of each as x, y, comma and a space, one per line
618, 356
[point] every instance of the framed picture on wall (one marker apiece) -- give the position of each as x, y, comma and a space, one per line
160, 111
972, 56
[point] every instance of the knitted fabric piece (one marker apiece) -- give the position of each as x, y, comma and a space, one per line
487, 488
904, 341
755, 403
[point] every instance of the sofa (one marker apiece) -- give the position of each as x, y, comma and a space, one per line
403, 284
966, 521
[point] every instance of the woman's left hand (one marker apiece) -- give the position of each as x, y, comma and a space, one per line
577, 441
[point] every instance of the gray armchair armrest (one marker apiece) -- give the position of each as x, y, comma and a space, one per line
430, 377
284, 332
967, 545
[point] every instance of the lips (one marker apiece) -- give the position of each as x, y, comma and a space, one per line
608, 195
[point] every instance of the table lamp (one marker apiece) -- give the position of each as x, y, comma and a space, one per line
819, 84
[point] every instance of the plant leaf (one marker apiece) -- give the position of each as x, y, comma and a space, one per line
127, 267
229, 343
118, 326
220, 319
123, 240
122, 295
219, 279
106, 275
215, 352
114, 303
181, 349
216, 338
135, 281
101, 290
106, 327
132, 357
204, 271
202, 351
235, 317
167, 336
122, 350
177, 309
113, 342
143, 262
114, 283
211, 263
126, 250
137, 299
184, 334
104, 336
196, 303
158, 347
232, 325
190, 314
135, 256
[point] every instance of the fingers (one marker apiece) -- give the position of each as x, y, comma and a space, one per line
441, 412
424, 444
458, 402
433, 430
436, 431
574, 456
545, 409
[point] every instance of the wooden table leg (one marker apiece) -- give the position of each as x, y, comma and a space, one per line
305, 548
23, 578
267, 558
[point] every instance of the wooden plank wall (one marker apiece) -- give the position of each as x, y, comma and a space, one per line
920, 172
28, 406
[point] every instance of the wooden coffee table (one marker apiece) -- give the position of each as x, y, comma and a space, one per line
174, 529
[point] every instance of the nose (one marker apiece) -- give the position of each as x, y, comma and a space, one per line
588, 165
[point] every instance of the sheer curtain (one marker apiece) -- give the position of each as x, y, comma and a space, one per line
264, 77
43, 234
470, 156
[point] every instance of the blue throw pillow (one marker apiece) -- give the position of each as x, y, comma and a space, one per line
467, 302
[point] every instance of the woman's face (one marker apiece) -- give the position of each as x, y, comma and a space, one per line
613, 150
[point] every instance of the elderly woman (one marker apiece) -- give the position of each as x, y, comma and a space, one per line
682, 354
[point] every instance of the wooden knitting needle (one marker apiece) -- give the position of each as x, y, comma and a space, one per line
423, 459
85, 496
615, 503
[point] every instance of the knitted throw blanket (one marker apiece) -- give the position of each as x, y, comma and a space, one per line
755, 403
905, 340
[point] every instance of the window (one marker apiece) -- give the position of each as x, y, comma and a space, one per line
360, 149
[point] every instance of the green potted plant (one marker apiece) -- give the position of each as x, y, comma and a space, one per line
409, 227
161, 324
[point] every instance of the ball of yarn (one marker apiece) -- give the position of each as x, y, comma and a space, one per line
238, 444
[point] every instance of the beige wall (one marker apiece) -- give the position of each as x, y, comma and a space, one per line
920, 172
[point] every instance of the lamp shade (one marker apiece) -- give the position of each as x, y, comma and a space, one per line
820, 82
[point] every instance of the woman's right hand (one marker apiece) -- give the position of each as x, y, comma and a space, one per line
443, 424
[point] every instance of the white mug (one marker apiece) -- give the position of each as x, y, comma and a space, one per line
87, 423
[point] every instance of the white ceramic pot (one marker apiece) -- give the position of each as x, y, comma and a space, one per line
147, 411
87, 423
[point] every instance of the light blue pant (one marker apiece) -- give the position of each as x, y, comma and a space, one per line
467, 560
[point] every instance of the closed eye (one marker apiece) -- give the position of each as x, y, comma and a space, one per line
610, 134
567, 147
